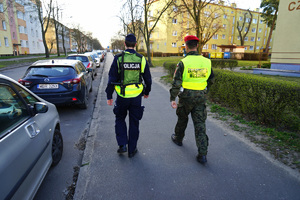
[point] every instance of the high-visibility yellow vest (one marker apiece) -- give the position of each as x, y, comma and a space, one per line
134, 66
197, 70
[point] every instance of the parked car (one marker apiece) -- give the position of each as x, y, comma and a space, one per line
95, 56
30, 140
59, 81
87, 61
101, 54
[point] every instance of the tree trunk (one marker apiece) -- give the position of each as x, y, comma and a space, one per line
57, 39
270, 34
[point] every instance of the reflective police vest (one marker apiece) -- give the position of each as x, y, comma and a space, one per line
197, 69
130, 67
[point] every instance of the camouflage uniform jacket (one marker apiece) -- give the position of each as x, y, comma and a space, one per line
177, 82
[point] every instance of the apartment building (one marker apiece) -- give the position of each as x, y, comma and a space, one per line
20, 32
170, 31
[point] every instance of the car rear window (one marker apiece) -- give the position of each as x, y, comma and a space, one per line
57, 71
81, 58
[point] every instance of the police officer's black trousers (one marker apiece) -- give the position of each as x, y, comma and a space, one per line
122, 107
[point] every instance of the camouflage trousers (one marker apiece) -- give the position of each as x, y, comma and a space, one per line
197, 107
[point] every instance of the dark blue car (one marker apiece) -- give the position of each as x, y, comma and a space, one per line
59, 81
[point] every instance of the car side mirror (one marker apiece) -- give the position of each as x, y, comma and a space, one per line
39, 107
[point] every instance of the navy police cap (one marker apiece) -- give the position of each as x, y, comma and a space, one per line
130, 38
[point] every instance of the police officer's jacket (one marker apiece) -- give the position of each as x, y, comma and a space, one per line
135, 69
194, 74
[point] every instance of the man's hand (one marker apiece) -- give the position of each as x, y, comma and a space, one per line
174, 104
110, 102
146, 96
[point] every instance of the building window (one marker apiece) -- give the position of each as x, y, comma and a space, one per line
165, 44
223, 36
224, 26
205, 46
246, 29
246, 38
215, 36
233, 19
175, 9
225, 16
246, 48
239, 38
150, 46
241, 18
253, 30
206, 13
254, 21
4, 25
257, 47
260, 30
1, 7
157, 46
252, 39
214, 46
174, 33
20, 15
261, 21
174, 44
251, 48
36, 32
247, 20
258, 39
174, 21
6, 41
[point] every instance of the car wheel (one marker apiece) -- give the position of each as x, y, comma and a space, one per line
85, 102
57, 147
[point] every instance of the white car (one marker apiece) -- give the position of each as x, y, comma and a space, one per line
30, 140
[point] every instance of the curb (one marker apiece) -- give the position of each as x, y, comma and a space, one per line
84, 175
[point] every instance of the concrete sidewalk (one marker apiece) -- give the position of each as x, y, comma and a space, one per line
236, 169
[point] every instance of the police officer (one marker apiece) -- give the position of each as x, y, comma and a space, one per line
126, 76
192, 78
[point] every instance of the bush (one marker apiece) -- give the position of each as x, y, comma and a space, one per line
266, 65
272, 102
224, 63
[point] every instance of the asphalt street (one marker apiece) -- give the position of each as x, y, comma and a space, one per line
236, 168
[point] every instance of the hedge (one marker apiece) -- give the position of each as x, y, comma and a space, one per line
268, 101
273, 102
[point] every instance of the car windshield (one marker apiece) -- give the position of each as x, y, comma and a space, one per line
81, 58
46, 71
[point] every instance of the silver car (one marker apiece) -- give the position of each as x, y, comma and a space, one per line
87, 61
30, 140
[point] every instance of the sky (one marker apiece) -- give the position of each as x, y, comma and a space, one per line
100, 16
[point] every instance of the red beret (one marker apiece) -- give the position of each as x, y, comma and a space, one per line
190, 37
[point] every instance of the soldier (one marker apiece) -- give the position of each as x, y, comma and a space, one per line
127, 73
192, 79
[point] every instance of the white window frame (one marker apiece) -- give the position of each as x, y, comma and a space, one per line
215, 36
174, 44
260, 30
6, 41
205, 46
223, 36
4, 25
246, 38
1, 7
251, 48
174, 33
253, 30
254, 21
258, 39
257, 47
174, 21
238, 38
252, 39
214, 46
246, 48
157, 46
225, 16
241, 18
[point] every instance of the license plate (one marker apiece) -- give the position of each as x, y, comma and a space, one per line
47, 86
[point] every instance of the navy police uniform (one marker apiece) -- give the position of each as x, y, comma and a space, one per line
129, 94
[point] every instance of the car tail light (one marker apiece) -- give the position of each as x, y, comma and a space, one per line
72, 81
89, 65
24, 82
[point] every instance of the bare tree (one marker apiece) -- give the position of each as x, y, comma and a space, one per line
77, 35
51, 42
154, 18
44, 21
246, 24
200, 17
56, 23
131, 14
